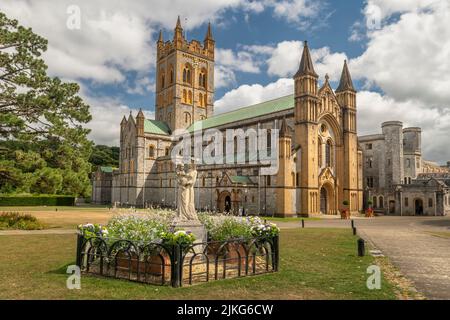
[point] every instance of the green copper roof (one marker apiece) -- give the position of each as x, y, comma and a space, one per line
241, 180
156, 127
260, 109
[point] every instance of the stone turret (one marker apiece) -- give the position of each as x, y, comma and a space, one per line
305, 119
140, 119
285, 182
394, 166
209, 42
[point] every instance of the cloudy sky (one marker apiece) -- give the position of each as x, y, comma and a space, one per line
398, 51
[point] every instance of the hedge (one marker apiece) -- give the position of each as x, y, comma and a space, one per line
38, 200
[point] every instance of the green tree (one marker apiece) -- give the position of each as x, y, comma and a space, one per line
105, 156
41, 118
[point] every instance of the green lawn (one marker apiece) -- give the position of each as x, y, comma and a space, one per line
315, 264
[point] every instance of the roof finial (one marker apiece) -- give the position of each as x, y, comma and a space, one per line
178, 26
209, 32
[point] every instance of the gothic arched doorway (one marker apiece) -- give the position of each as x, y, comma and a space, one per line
323, 201
227, 204
418, 205
224, 202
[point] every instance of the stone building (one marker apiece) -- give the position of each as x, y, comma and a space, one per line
396, 178
320, 164
102, 185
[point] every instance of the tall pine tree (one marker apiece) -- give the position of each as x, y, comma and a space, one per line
43, 143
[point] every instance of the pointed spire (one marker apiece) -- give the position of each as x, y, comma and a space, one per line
140, 114
160, 38
346, 82
130, 117
306, 66
178, 26
209, 33
124, 120
284, 131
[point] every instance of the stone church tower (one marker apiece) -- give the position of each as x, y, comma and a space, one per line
328, 158
185, 79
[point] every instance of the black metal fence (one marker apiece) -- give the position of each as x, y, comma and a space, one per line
177, 265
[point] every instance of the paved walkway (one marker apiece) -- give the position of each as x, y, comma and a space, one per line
418, 246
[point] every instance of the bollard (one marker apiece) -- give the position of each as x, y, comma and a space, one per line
361, 247
303, 223
353, 223
354, 231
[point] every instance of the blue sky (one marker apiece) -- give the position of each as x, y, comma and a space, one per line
398, 52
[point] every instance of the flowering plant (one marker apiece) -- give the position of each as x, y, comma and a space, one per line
265, 230
179, 237
90, 230
138, 228
223, 228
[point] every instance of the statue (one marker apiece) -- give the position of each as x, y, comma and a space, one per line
185, 197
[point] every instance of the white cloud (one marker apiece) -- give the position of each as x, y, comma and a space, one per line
285, 58
240, 61
297, 11
107, 113
246, 95
409, 58
229, 62
224, 77
142, 86
387, 8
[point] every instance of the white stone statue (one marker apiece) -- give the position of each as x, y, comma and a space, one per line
185, 197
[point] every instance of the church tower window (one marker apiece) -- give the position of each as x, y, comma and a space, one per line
151, 151
171, 75
328, 154
187, 118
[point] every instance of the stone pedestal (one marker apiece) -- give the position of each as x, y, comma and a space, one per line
194, 226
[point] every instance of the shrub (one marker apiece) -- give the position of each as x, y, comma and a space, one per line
223, 228
15, 220
139, 228
180, 237
36, 200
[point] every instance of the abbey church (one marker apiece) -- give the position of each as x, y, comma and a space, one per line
319, 159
